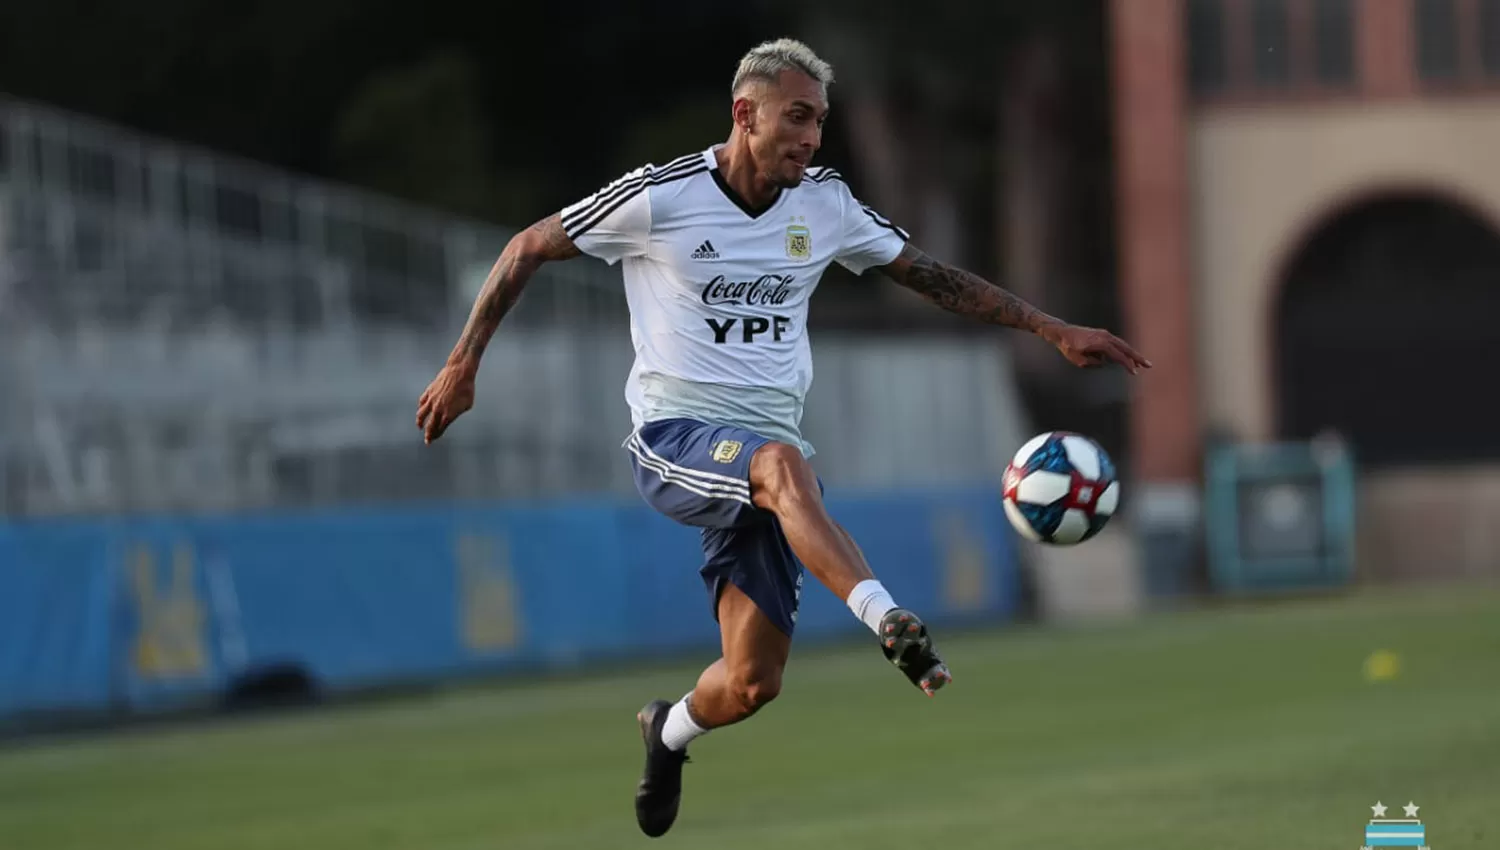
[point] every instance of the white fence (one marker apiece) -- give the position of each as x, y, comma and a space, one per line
181, 330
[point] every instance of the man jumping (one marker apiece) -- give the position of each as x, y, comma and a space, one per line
720, 251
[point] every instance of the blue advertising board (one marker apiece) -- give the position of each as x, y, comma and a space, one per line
138, 615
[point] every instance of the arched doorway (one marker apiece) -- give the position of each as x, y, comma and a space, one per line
1388, 331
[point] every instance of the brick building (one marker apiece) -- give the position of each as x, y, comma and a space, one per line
1309, 200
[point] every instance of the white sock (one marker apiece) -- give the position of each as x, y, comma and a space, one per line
869, 601
680, 728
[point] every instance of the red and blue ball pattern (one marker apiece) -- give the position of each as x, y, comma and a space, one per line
1060, 488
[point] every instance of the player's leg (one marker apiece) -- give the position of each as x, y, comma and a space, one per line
698, 475
783, 482
754, 582
732, 689
743, 680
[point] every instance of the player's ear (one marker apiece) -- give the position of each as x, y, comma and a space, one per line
743, 111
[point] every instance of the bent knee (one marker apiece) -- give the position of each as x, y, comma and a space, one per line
753, 689
781, 478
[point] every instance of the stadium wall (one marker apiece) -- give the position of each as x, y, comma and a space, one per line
142, 616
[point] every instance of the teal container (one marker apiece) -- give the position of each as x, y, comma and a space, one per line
1280, 517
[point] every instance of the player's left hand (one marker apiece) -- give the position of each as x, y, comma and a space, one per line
1094, 347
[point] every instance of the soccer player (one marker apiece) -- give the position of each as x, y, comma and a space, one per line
720, 251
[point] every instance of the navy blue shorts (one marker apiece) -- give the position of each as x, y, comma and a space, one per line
699, 475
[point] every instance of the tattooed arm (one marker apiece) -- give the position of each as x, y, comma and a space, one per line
610, 224
965, 293
542, 242
451, 393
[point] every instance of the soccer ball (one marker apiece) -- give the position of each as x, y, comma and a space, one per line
1060, 488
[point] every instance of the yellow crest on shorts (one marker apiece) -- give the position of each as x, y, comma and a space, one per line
798, 242
725, 451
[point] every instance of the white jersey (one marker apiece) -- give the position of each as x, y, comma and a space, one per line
718, 293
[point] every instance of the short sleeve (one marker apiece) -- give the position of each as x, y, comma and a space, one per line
614, 222
869, 238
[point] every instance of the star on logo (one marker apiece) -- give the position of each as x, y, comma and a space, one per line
1411, 809
1378, 809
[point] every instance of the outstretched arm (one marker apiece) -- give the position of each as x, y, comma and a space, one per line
968, 294
965, 293
451, 393
610, 224
542, 242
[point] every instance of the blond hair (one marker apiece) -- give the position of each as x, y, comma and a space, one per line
767, 60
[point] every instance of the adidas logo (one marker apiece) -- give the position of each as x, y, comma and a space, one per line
705, 252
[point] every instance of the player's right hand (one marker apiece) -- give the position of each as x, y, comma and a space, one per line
449, 395
1094, 347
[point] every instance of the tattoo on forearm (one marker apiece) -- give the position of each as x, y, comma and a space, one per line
542, 242
966, 293
499, 294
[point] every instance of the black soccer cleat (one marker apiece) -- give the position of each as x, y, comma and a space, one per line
660, 790
903, 637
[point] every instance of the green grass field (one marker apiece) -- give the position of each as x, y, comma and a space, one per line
1243, 728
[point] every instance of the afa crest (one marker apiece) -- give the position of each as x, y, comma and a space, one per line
798, 242
1395, 832
725, 451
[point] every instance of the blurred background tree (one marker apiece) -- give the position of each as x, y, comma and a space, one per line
420, 132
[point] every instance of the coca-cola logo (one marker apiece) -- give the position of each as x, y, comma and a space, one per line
766, 290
